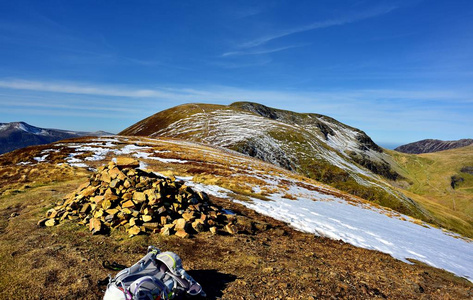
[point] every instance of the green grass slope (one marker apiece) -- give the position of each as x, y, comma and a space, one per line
443, 183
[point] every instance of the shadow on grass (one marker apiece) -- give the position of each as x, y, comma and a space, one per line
213, 282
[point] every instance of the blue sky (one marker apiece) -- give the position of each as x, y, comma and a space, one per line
399, 70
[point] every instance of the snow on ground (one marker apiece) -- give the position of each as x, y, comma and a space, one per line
221, 127
101, 147
370, 229
364, 226
41, 158
111, 139
147, 155
317, 212
213, 190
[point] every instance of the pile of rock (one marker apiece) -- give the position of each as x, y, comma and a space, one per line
122, 196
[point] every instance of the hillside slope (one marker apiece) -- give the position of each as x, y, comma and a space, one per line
275, 261
18, 135
313, 145
442, 182
429, 145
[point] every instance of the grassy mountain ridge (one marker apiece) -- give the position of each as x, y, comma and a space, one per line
431, 145
321, 148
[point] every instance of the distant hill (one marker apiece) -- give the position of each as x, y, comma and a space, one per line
430, 145
329, 151
16, 135
310, 144
442, 182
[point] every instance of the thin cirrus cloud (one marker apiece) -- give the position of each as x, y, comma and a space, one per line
407, 107
262, 51
319, 25
226, 92
79, 89
75, 107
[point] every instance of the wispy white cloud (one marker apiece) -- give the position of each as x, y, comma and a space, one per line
239, 65
245, 13
71, 113
77, 107
354, 17
80, 89
385, 114
226, 92
261, 51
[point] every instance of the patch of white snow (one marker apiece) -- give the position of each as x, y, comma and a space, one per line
372, 229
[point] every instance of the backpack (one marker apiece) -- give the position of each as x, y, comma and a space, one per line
158, 275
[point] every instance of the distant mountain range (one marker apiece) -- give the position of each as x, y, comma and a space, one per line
430, 145
16, 135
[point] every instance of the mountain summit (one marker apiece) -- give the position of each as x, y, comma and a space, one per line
268, 133
313, 145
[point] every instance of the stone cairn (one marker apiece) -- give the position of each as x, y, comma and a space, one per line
121, 196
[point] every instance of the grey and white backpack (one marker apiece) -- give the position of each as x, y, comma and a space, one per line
158, 275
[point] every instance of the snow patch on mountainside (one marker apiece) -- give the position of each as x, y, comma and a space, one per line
363, 226
227, 128
305, 205
371, 229
221, 127
30, 129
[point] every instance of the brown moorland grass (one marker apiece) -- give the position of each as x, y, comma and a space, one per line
65, 262
209, 165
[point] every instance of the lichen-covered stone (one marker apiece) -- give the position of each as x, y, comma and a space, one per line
182, 234
95, 225
127, 162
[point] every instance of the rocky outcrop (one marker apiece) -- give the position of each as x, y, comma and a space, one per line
120, 196
468, 170
429, 145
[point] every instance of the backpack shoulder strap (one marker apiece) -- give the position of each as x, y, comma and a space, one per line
175, 270
171, 260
